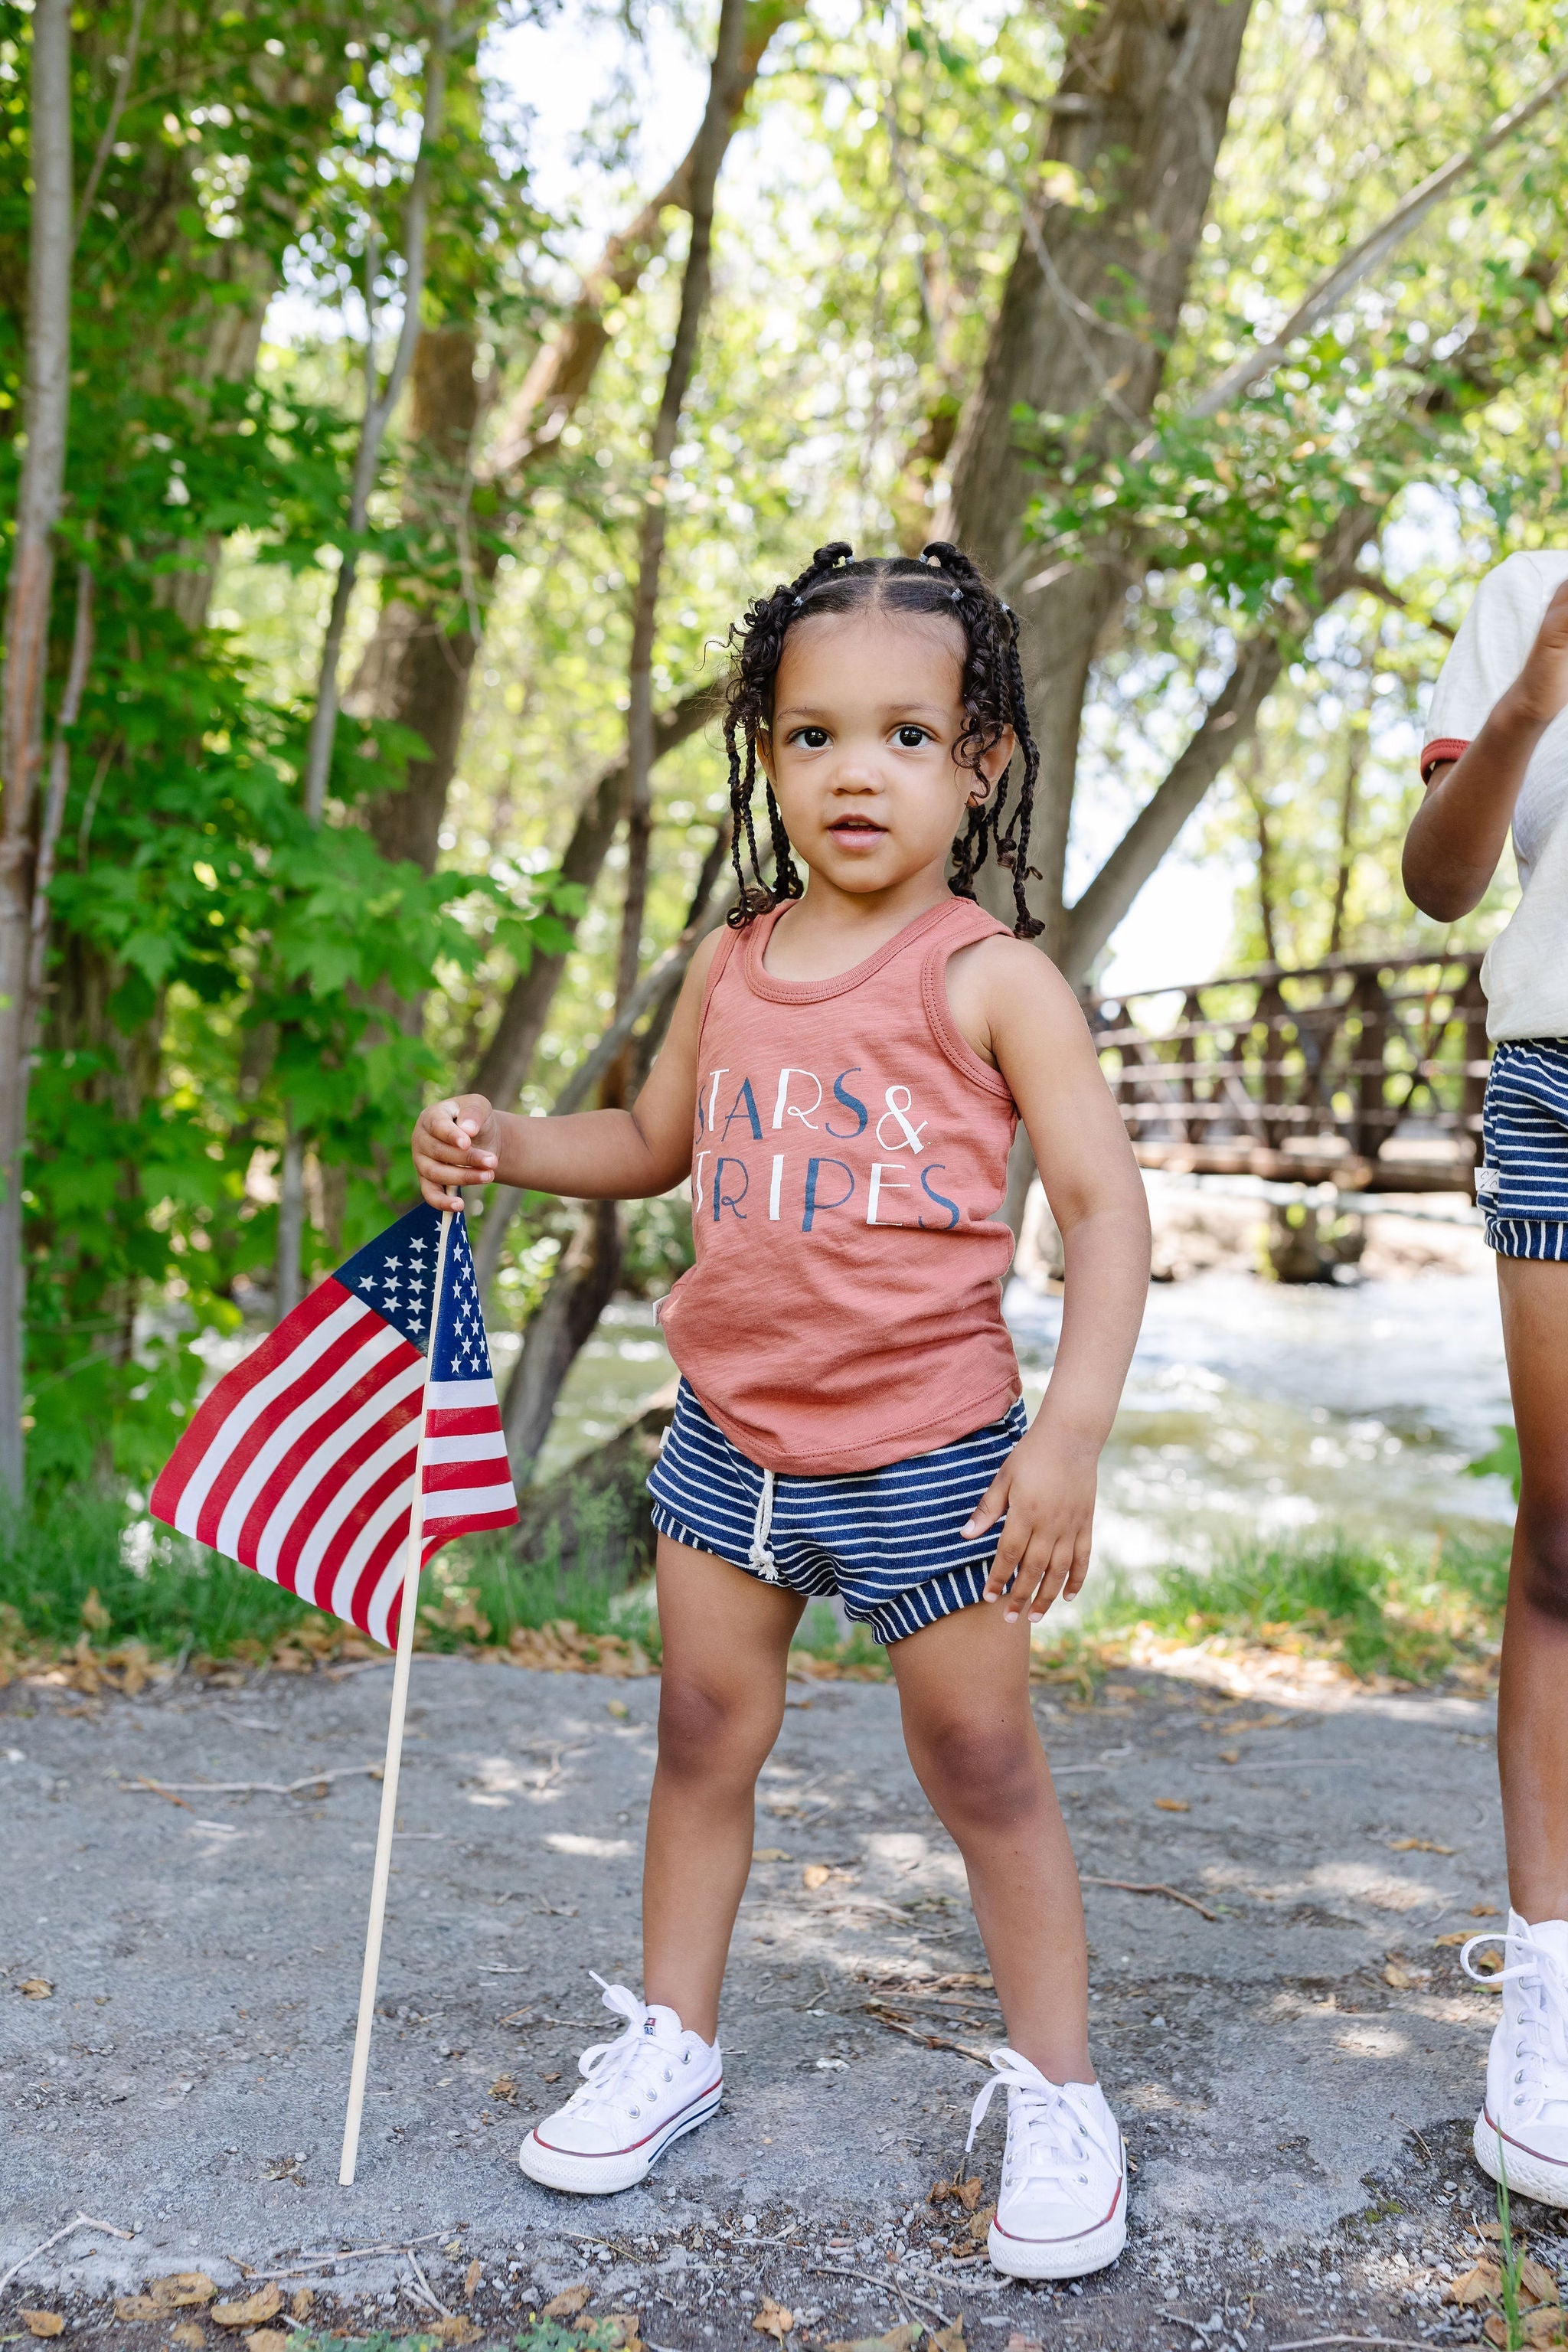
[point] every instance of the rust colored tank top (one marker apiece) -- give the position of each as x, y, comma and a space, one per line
845, 1308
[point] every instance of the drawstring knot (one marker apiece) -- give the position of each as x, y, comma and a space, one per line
762, 1557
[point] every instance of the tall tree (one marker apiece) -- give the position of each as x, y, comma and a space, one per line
585, 1281
1090, 308
29, 597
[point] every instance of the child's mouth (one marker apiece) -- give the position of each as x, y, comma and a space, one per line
856, 828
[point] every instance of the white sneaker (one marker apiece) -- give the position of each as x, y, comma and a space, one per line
1522, 2130
642, 2092
1061, 2211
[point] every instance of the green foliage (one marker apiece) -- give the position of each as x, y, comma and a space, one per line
1384, 1611
1502, 1459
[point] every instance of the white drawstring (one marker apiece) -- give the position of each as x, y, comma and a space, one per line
762, 1553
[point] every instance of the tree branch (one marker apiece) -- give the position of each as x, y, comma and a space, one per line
116, 109
564, 368
1390, 232
504, 1064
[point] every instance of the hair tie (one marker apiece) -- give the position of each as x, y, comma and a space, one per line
955, 595
797, 602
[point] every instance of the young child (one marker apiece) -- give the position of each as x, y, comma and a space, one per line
842, 1079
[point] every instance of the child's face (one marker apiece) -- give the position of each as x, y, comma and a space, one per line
865, 714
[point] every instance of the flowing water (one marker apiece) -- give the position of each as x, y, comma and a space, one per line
1252, 1408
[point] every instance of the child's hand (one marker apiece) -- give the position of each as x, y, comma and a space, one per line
1540, 690
1046, 1488
454, 1143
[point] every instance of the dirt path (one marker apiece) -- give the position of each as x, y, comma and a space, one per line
1298, 2104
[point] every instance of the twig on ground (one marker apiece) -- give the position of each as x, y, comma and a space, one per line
889, 2286
247, 1787
430, 2295
153, 1789
309, 2263
930, 2041
1311, 2343
83, 2221
1127, 1886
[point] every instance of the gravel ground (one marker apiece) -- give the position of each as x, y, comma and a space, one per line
1296, 2076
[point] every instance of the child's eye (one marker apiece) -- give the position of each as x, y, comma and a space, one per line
810, 738
910, 739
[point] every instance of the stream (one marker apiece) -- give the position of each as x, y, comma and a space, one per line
1252, 1408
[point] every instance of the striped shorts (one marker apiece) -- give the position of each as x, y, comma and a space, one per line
1523, 1183
886, 1541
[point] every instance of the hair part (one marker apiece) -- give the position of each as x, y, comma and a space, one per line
941, 584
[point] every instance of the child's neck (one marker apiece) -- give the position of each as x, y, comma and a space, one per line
830, 930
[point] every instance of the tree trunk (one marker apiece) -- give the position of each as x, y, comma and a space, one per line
1092, 304
504, 1064
584, 1282
580, 1289
29, 601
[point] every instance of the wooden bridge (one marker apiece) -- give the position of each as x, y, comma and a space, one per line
1365, 1074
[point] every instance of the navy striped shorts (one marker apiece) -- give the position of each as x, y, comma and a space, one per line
1523, 1184
886, 1540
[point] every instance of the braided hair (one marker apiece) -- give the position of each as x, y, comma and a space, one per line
941, 582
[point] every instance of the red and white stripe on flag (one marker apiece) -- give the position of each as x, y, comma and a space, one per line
301, 1463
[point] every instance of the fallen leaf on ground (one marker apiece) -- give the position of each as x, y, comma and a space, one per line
569, 2300
1230, 1755
617, 1708
1417, 1845
1487, 1964
769, 1853
1543, 2327
967, 2193
458, 2329
773, 2319
268, 2339
1485, 1911
982, 2222
1478, 2284
188, 2334
1538, 2281
1017, 2343
471, 2278
182, 2289
1399, 1973
1456, 1936
551, 2078
503, 2088
301, 2303
43, 2323
34, 1989
948, 2339
1172, 1805
815, 1875
255, 2309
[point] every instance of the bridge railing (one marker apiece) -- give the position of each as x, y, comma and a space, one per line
1350, 1057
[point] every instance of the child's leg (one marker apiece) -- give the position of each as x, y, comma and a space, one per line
964, 1685
726, 1639
1532, 1720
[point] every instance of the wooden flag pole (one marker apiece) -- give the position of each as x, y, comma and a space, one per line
394, 1747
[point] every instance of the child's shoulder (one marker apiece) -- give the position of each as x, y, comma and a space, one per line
1000, 986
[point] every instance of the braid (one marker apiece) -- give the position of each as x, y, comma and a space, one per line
943, 582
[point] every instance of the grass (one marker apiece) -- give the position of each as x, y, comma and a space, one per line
82, 1581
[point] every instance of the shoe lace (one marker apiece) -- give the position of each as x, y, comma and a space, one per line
1056, 2130
630, 2068
1540, 2034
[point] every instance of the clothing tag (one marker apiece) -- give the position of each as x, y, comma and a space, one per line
1488, 1183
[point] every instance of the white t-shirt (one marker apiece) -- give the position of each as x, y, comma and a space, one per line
1525, 974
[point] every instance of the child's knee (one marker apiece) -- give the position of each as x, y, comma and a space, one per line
988, 1775
707, 1727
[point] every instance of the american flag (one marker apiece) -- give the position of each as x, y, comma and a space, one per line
301, 1461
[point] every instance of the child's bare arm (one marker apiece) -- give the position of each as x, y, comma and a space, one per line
1457, 835
611, 1155
1040, 1041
